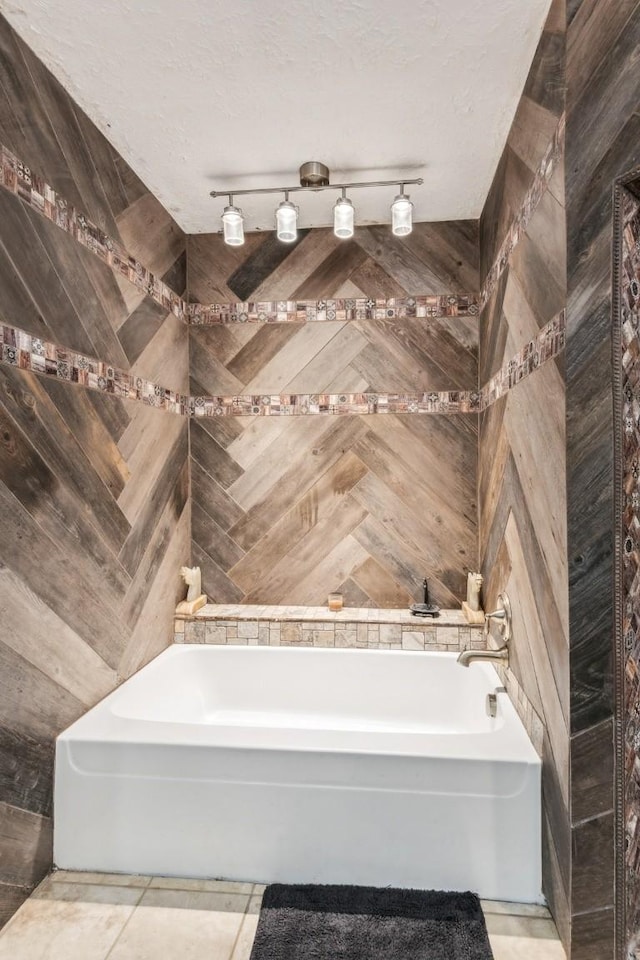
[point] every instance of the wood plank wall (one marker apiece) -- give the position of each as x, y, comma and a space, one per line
287, 510
603, 137
522, 503
93, 490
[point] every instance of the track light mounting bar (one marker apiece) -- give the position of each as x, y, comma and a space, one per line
317, 189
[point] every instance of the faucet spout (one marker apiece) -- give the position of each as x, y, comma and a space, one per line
469, 656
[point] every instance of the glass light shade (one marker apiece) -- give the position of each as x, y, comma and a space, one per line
232, 221
343, 218
401, 216
287, 221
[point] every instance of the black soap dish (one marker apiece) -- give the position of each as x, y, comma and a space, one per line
425, 609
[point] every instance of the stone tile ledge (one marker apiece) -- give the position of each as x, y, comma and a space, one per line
356, 628
246, 611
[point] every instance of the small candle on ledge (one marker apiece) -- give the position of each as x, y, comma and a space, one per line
335, 601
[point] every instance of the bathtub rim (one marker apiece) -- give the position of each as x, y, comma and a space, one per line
100, 724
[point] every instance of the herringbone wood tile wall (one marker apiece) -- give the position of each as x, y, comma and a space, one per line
94, 490
287, 510
522, 461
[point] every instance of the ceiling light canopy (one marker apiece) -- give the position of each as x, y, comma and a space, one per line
314, 176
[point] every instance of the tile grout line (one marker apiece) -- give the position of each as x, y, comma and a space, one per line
177, 889
240, 926
607, 908
143, 890
525, 916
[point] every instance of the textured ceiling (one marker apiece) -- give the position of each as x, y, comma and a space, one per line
211, 94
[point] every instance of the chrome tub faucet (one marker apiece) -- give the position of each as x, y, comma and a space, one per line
468, 656
503, 615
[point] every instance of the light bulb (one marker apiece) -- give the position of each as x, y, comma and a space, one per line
343, 218
232, 220
401, 215
287, 221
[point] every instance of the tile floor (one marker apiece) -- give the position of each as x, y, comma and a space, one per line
97, 916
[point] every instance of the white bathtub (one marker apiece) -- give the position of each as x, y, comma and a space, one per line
304, 765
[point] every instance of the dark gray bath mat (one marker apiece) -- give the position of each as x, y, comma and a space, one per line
311, 922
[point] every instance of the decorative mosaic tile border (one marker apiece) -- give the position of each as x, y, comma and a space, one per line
302, 311
548, 344
627, 377
553, 154
336, 404
356, 634
19, 179
21, 350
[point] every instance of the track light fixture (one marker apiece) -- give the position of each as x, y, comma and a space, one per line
286, 220
343, 217
314, 176
401, 214
232, 221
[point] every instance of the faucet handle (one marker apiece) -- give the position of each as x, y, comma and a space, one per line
502, 614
